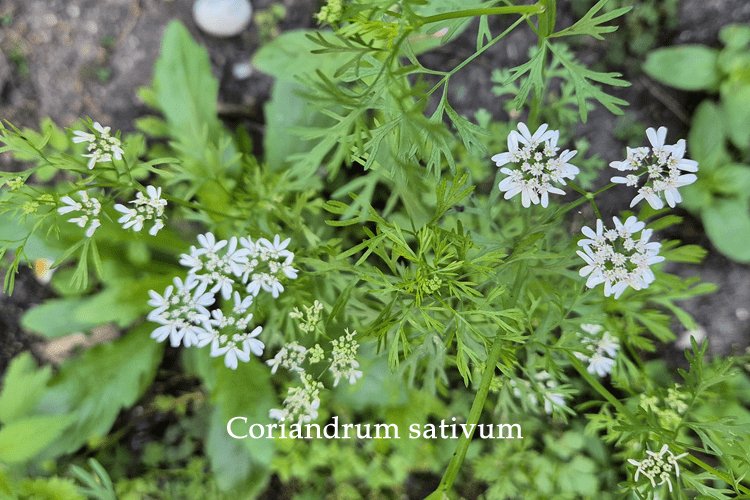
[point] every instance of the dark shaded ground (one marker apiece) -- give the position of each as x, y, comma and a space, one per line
69, 59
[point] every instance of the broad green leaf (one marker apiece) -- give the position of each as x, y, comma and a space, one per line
727, 223
706, 138
53, 318
122, 303
23, 385
284, 110
94, 388
291, 55
183, 87
735, 36
685, 67
736, 104
732, 179
23, 439
245, 392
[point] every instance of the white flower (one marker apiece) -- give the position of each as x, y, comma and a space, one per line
302, 403
102, 146
291, 357
180, 310
599, 352
662, 166
618, 259
90, 208
537, 165
655, 466
275, 250
151, 208
227, 336
215, 263
343, 362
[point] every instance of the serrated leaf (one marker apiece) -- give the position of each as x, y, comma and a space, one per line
293, 54
94, 388
467, 131
253, 401
152, 126
589, 24
580, 75
23, 385
23, 439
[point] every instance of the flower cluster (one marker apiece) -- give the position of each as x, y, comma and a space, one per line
543, 384
151, 208
600, 351
302, 403
537, 165
228, 335
102, 146
656, 466
90, 208
181, 311
258, 265
217, 266
291, 357
310, 318
663, 164
343, 358
617, 258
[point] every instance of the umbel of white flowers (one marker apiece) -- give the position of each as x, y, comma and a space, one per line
536, 165
102, 147
145, 209
220, 266
617, 257
658, 466
90, 208
663, 165
600, 352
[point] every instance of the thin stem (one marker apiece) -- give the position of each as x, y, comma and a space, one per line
481, 397
537, 8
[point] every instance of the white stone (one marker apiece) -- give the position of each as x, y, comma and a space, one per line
222, 18
242, 70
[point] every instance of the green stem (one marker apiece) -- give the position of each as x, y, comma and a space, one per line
472, 57
537, 8
599, 387
546, 27
481, 397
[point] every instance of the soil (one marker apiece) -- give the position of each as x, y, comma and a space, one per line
69, 59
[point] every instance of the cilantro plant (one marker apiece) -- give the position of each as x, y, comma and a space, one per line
379, 261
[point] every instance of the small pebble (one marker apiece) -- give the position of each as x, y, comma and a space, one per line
242, 70
222, 18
